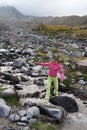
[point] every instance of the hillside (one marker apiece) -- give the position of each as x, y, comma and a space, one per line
10, 12
65, 20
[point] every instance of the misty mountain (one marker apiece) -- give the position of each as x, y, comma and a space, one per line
10, 12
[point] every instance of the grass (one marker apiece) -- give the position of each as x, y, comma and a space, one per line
85, 77
43, 126
12, 100
62, 31
67, 81
40, 54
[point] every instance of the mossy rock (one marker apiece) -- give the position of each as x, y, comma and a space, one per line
11, 100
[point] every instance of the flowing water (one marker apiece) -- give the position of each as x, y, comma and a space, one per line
78, 120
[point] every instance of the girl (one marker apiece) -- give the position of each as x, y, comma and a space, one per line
54, 68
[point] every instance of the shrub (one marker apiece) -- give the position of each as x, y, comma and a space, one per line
53, 50
67, 82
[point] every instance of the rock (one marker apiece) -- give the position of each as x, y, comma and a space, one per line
21, 123
39, 82
19, 62
18, 87
3, 50
82, 82
13, 79
24, 119
33, 112
32, 120
26, 128
82, 65
80, 93
67, 103
55, 113
79, 73
29, 104
85, 49
8, 92
14, 117
2, 102
24, 69
22, 113
4, 111
29, 51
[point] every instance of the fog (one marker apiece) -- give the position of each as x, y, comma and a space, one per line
49, 7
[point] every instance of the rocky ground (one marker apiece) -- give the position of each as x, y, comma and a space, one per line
20, 76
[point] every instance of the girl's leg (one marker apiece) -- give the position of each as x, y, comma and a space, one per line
56, 86
47, 96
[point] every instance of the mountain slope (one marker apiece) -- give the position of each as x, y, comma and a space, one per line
10, 12
65, 20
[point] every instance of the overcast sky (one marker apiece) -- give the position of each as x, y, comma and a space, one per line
49, 7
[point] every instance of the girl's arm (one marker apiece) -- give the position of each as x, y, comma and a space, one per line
61, 73
43, 64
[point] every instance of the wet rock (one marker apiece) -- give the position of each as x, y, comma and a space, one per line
39, 82
29, 104
67, 103
3, 50
34, 74
18, 87
13, 79
80, 93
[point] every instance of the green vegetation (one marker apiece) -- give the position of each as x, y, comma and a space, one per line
1, 90
53, 50
67, 82
5, 45
41, 54
44, 126
12, 100
85, 77
62, 31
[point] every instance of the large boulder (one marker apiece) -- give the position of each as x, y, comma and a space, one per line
67, 103
57, 114
82, 65
4, 109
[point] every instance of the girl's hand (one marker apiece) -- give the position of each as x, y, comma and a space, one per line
36, 63
61, 80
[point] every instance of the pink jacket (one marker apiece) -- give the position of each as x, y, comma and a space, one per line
53, 69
